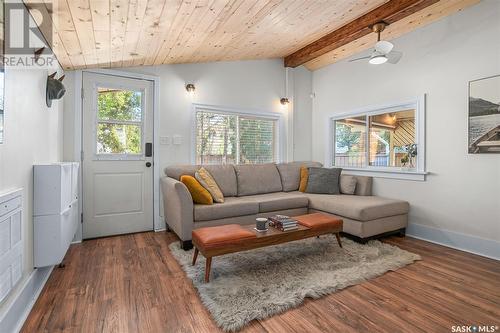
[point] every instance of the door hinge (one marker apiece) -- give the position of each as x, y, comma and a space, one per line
81, 156
82, 92
81, 218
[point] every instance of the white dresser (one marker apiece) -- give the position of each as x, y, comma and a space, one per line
55, 211
11, 243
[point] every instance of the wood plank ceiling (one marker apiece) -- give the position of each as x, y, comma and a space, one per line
121, 33
124, 33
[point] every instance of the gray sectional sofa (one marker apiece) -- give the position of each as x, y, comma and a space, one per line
264, 190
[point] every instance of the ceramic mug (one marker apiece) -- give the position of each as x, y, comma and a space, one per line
261, 223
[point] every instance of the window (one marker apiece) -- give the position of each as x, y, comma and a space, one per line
231, 138
380, 140
119, 122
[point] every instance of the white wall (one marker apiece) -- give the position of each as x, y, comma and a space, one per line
33, 134
461, 193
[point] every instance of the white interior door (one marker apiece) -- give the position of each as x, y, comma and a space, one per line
117, 155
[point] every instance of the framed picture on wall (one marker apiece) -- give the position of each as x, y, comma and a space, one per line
484, 115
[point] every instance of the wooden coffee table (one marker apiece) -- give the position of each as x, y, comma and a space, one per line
225, 239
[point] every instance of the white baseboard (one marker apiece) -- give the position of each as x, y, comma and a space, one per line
19, 309
473, 244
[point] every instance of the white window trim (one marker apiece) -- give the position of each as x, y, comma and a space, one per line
280, 135
418, 173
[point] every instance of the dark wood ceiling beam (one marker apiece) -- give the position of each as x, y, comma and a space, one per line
390, 12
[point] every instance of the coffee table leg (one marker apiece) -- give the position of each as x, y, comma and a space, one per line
338, 239
208, 265
195, 255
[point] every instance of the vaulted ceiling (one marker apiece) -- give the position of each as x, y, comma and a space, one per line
123, 33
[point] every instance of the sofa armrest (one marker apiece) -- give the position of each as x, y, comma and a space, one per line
178, 207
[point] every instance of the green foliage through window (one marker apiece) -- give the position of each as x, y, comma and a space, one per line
227, 138
119, 122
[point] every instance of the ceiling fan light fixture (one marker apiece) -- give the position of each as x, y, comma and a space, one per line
378, 59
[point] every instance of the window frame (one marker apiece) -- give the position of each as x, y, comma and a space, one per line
117, 156
247, 113
418, 173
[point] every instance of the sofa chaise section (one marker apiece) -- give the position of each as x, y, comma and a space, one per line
364, 216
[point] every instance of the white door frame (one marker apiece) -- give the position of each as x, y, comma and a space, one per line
78, 106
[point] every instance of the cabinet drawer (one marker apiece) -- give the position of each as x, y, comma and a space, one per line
10, 205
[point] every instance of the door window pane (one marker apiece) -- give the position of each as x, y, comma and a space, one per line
391, 136
119, 105
350, 139
118, 139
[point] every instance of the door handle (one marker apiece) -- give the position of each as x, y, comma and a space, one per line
149, 149
148, 164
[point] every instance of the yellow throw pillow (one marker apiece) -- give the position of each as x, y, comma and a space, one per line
208, 182
199, 193
304, 175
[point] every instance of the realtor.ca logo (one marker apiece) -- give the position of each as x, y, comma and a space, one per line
474, 328
24, 43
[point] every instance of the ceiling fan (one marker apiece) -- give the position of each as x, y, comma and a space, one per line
383, 51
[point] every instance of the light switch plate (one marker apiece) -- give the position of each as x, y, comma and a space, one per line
177, 139
164, 140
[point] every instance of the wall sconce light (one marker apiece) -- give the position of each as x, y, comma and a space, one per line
284, 101
190, 89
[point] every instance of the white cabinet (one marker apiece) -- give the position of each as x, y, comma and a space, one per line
55, 219
11, 245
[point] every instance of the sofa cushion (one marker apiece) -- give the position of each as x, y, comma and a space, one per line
363, 185
304, 174
362, 208
233, 206
347, 184
199, 194
225, 176
208, 182
271, 202
323, 180
257, 179
290, 173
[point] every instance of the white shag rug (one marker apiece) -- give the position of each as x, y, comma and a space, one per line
260, 283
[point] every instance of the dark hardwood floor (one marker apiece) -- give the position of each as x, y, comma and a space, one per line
132, 283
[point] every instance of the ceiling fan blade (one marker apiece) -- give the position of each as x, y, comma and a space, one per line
356, 59
383, 47
394, 57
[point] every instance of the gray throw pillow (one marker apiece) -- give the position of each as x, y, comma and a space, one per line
323, 180
347, 184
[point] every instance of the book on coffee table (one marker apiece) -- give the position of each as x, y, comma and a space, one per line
283, 223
